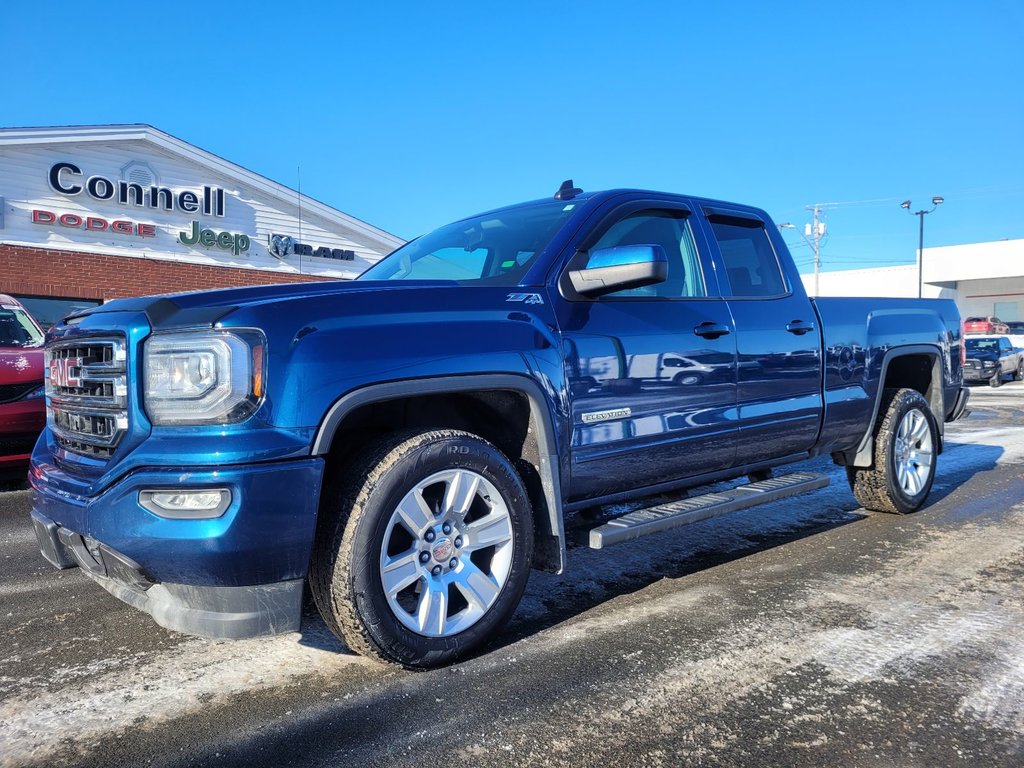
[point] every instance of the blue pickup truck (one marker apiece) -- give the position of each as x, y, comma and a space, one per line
411, 444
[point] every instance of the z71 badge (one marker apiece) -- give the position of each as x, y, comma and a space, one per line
525, 298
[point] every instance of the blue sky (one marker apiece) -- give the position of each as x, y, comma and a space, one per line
409, 115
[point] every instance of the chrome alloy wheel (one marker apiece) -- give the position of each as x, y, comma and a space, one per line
447, 553
913, 452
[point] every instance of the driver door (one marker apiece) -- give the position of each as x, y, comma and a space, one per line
651, 371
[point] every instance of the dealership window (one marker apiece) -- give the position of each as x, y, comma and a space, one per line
47, 310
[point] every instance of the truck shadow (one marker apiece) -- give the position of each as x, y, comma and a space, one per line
594, 577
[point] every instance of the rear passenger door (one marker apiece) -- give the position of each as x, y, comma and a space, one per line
779, 362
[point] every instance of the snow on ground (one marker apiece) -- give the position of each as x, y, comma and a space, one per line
110, 694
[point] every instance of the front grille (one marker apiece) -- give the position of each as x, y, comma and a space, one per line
11, 392
87, 394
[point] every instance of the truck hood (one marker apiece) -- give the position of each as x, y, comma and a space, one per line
208, 307
21, 366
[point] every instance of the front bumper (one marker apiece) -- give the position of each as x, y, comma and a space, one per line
979, 374
228, 613
238, 575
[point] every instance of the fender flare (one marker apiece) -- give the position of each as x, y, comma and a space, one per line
864, 454
550, 558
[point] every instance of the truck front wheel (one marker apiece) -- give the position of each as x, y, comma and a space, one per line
906, 446
424, 547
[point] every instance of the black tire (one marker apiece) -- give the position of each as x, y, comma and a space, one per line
357, 505
1018, 375
996, 380
877, 487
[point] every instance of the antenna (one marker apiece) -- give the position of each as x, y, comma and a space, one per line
567, 191
298, 174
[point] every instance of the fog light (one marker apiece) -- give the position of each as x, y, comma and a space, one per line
186, 505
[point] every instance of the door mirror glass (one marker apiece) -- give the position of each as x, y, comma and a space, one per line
620, 267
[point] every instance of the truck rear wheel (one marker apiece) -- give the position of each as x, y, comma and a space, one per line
424, 548
906, 446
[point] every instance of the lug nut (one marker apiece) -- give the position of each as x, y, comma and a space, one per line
424, 557
447, 528
454, 561
458, 541
436, 570
429, 536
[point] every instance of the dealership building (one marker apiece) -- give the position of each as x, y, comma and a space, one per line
983, 278
89, 214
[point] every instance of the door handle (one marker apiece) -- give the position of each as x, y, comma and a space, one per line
712, 330
799, 327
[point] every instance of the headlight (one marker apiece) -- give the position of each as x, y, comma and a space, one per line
204, 377
990, 364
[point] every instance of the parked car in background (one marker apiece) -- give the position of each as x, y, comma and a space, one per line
986, 325
22, 403
992, 359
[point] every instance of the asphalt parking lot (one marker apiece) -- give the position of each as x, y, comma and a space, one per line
808, 632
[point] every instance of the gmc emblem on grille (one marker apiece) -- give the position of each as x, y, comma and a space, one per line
65, 372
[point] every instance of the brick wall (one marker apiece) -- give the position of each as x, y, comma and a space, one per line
48, 272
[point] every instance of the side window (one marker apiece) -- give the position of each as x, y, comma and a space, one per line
671, 231
750, 261
1004, 344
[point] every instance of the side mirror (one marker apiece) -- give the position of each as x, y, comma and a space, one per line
615, 269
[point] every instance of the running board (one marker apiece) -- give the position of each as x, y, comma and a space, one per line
641, 522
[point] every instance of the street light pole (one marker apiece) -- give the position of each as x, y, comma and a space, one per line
905, 205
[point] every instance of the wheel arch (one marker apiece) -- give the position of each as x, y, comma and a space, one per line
917, 367
479, 404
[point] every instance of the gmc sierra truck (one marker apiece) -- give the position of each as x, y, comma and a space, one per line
412, 443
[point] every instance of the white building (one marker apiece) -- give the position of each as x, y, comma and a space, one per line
983, 278
91, 213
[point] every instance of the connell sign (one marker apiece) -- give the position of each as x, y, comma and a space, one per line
68, 179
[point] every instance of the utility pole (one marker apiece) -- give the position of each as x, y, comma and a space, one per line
813, 234
817, 230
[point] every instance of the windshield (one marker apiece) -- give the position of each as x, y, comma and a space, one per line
982, 345
495, 249
17, 329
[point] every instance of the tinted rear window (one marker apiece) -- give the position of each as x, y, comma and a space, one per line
750, 260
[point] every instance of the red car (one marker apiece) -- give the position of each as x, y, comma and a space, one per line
986, 325
22, 402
